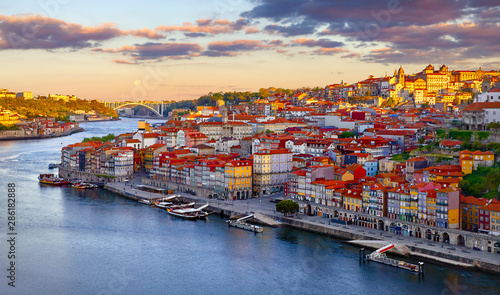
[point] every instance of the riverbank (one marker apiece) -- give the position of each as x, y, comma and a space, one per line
420, 249
97, 120
43, 136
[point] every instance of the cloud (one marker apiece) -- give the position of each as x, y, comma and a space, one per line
351, 55
233, 48
455, 40
208, 26
252, 30
40, 32
362, 12
450, 29
149, 51
303, 28
121, 61
147, 33
325, 43
329, 51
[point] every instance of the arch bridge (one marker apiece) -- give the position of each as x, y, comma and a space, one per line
156, 107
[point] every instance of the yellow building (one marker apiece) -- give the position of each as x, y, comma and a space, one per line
352, 199
466, 162
469, 161
414, 202
238, 179
150, 153
431, 207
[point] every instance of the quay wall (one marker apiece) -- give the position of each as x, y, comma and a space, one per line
340, 231
125, 194
478, 264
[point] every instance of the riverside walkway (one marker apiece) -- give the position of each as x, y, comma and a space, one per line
426, 250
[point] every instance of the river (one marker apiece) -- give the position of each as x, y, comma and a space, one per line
94, 242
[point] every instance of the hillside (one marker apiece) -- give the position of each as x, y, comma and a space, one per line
54, 108
484, 182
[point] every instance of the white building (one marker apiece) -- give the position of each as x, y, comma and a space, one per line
124, 163
491, 96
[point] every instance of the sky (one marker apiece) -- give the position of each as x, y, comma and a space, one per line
175, 50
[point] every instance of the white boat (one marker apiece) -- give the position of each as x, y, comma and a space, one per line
188, 213
240, 223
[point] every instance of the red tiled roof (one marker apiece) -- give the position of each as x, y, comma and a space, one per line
478, 106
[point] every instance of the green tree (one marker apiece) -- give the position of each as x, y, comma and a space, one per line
347, 134
478, 145
105, 138
287, 207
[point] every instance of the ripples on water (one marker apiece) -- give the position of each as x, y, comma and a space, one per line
93, 242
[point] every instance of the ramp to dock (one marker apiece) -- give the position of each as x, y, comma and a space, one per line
400, 249
266, 220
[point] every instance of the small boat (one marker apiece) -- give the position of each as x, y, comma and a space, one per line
84, 185
52, 165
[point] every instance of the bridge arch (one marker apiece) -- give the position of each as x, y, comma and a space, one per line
139, 104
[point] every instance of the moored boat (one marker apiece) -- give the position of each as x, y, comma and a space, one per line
50, 179
183, 213
84, 185
189, 213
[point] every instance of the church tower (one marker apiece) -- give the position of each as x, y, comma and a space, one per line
223, 112
401, 76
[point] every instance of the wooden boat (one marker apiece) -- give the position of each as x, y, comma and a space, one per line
188, 213
84, 185
183, 213
50, 179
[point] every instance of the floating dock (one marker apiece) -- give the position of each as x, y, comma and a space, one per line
240, 223
380, 257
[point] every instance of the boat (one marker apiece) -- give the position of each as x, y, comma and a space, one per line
84, 185
165, 203
183, 213
50, 179
52, 165
162, 205
188, 213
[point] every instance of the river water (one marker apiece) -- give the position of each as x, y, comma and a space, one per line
94, 242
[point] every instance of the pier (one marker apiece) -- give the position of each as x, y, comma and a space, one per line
240, 223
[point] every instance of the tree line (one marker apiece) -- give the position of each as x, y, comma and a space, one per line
59, 109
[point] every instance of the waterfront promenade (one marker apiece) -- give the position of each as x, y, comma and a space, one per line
418, 248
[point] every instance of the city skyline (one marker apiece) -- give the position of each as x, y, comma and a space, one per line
161, 50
